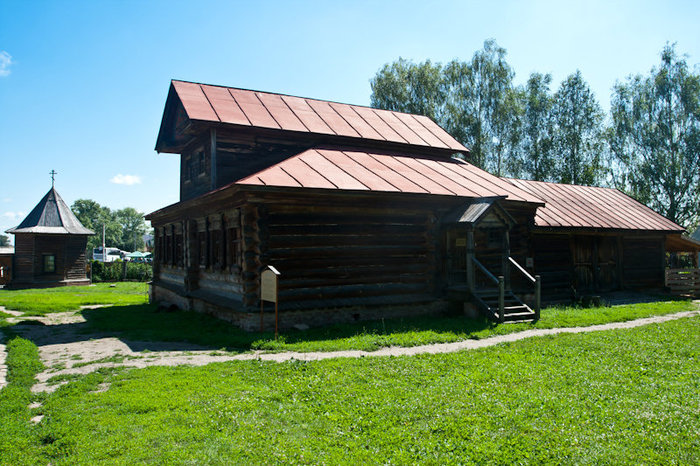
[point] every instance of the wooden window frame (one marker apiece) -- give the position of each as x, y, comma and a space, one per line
44, 268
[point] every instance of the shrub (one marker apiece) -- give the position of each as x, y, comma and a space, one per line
120, 271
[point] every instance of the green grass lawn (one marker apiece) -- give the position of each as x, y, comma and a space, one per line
46, 300
614, 397
146, 323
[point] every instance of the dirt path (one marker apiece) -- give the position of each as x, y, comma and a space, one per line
76, 354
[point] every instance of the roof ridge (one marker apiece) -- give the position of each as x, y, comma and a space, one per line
296, 96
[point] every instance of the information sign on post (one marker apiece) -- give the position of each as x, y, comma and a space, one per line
269, 279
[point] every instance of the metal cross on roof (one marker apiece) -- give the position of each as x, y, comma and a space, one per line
53, 173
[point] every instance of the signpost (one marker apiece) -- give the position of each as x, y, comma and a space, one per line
269, 292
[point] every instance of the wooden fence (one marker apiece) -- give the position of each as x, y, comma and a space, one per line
683, 281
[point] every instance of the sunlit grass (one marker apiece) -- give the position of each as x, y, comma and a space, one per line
34, 302
147, 323
614, 397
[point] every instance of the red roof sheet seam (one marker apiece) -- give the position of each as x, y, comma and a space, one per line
575, 206
301, 185
338, 108
343, 170
210, 104
306, 101
353, 156
402, 162
446, 143
579, 194
286, 104
495, 181
267, 110
636, 211
458, 178
370, 125
478, 181
321, 174
345, 153
604, 207
370, 112
394, 171
431, 130
308, 109
443, 176
318, 106
565, 199
420, 130
547, 211
345, 120
395, 125
573, 215
604, 216
593, 193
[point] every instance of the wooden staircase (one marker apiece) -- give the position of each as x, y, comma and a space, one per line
500, 304
514, 310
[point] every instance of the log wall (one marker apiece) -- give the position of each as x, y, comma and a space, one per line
69, 264
344, 256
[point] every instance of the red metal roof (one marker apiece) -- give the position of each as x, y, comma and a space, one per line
386, 172
244, 107
573, 206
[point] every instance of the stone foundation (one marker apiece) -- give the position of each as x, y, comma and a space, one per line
250, 321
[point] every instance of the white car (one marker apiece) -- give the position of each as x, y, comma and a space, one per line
113, 254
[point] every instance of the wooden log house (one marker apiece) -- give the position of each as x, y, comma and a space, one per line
367, 214
50, 246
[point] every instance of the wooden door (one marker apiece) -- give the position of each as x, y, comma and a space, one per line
456, 255
583, 258
595, 263
607, 279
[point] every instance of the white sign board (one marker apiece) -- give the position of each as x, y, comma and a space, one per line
268, 284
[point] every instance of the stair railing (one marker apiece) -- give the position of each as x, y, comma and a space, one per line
536, 281
500, 283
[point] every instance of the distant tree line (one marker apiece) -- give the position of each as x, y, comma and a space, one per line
648, 146
124, 228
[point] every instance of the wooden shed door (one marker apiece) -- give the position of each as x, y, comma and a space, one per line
595, 263
608, 256
583, 264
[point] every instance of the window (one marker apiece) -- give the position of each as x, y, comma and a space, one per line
202, 163
217, 256
233, 247
179, 252
49, 263
202, 238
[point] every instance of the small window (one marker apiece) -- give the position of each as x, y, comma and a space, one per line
49, 263
202, 163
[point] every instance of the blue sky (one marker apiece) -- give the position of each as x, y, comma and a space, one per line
83, 84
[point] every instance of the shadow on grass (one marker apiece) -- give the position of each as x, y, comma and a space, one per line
146, 327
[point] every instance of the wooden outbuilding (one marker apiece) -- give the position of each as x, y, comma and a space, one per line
370, 213
6, 255
50, 246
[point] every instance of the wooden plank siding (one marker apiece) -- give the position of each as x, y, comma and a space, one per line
329, 255
70, 260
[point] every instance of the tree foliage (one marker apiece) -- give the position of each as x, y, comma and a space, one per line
538, 158
578, 136
653, 141
475, 101
655, 138
123, 229
4, 240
